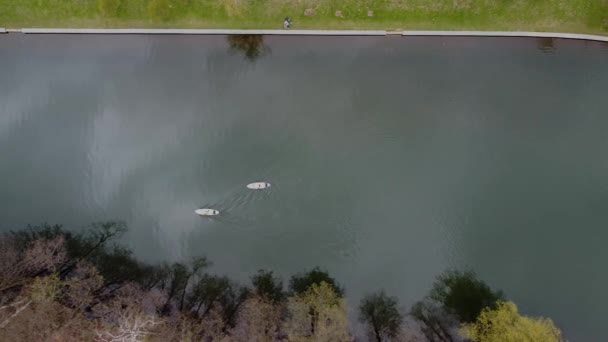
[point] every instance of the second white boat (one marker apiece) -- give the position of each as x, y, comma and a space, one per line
258, 186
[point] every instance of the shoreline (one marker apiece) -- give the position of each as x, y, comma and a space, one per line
519, 34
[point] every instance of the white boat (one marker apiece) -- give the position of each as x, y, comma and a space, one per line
258, 185
206, 212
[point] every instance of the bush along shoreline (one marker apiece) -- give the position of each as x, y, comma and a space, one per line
57, 285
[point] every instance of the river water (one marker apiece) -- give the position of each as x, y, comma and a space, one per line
391, 159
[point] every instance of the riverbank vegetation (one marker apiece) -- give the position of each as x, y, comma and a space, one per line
60, 286
582, 16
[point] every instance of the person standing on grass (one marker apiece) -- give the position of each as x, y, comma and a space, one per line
287, 23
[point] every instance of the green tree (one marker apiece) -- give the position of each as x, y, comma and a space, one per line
219, 293
504, 324
381, 315
300, 283
318, 314
456, 297
434, 322
85, 246
117, 265
463, 295
181, 276
267, 286
207, 292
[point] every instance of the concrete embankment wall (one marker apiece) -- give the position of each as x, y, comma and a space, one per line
311, 33
507, 34
205, 32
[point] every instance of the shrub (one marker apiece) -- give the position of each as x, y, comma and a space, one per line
505, 324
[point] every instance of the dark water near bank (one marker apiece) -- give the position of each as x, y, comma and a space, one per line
391, 159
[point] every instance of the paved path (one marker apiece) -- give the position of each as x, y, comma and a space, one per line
310, 33
507, 34
206, 32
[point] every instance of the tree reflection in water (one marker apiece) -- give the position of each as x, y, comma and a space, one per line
545, 44
251, 45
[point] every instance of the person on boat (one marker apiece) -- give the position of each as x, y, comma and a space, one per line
287, 23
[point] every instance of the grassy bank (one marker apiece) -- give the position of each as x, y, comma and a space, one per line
581, 16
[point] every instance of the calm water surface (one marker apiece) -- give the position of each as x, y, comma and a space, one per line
391, 159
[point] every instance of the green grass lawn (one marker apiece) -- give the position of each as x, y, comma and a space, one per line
583, 16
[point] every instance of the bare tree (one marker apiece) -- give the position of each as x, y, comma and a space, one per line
18, 267
133, 298
132, 327
37, 316
181, 328
16, 309
131, 315
258, 320
213, 326
186, 328
81, 287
